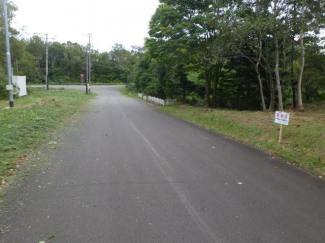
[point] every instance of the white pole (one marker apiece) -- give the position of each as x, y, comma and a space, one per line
47, 63
89, 61
11, 95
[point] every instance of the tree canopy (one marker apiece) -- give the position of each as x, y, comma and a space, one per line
248, 54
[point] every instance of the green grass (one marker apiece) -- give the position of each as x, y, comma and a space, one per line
124, 92
303, 140
34, 117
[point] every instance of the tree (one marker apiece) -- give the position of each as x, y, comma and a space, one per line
252, 31
36, 47
276, 31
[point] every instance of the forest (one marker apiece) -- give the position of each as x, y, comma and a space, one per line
245, 55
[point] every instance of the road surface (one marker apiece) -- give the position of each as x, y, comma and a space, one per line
130, 173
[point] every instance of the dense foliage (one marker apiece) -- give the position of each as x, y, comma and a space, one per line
248, 54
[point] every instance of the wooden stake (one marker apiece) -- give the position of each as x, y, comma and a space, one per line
281, 133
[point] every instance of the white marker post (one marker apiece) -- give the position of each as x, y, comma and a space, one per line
281, 118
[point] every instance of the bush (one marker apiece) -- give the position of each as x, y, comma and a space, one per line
130, 87
3, 83
117, 81
3, 92
61, 80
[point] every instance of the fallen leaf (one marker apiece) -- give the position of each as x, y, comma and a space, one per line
239, 183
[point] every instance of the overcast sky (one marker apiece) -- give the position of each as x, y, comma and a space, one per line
109, 21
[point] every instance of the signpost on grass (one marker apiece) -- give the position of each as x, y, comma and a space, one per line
281, 118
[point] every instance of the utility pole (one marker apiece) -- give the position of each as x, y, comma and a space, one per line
47, 43
86, 77
89, 59
10, 88
47, 63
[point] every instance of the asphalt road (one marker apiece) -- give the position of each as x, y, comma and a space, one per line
130, 173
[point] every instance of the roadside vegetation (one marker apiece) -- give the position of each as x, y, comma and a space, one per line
34, 117
233, 63
243, 55
303, 142
127, 92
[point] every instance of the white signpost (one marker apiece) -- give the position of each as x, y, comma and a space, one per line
281, 118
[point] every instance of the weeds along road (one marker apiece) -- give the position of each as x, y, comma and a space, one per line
130, 173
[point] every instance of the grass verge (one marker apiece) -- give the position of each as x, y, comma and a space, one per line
303, 140
124, 92
34, 117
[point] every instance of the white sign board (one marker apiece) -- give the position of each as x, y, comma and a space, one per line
9, 87
20, 81
282, 118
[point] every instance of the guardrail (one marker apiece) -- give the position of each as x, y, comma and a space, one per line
157, 100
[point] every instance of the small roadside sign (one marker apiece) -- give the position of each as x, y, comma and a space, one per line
9, 87
282, 118
82, 75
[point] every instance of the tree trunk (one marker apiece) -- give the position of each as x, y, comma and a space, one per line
184, 90
184, 96
277, 74
207, 88
272, 96
261, 86
302, 65
284, 65
215, 84
276, 69
293, 83
258, 72
269, 73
